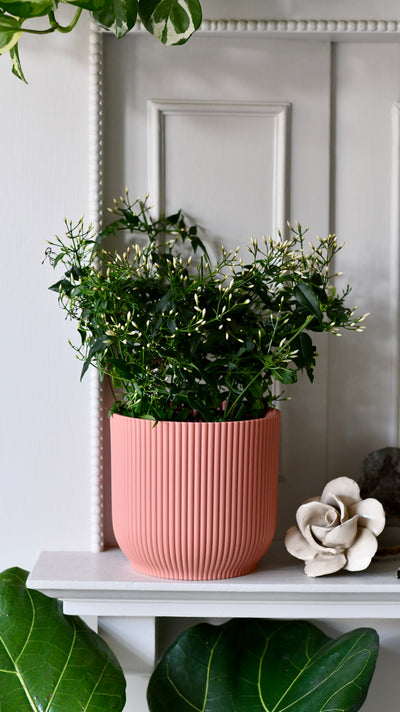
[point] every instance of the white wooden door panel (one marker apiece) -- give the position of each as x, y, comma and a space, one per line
236, 132
363, 377
343, 166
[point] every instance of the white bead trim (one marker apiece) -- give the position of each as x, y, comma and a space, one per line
296, 27
95, 171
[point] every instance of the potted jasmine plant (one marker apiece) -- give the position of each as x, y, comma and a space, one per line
192, 350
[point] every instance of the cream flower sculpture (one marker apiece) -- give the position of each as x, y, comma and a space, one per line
337, 530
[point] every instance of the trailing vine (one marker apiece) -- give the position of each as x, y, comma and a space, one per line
171, 21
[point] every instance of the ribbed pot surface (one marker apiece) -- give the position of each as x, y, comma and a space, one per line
194, 501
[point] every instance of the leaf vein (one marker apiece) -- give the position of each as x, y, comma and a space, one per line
96, 686
20, 678
301, 670
32, 621
208, 671
178, 692
349, 655
63, 670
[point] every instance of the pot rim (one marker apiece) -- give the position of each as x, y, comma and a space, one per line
272, 413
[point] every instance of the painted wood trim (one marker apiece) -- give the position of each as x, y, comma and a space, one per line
279, 112
103, 584
321, 27
95, 199
395, 268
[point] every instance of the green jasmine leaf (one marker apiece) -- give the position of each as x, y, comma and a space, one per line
306, 297
171, 21
65, 284
97, 347
263, 665
119, 16
175, 218
49, 660
284, 375
9, 32
306, 348
165, 303
120, 367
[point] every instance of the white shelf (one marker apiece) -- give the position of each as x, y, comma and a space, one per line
104, 584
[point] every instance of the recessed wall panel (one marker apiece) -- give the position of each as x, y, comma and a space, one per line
363, 375
225, 162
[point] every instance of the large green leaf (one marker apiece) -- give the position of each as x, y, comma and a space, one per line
264, 666
91, 5
171, 21
27, 8
119, 16
49, 661
10, 32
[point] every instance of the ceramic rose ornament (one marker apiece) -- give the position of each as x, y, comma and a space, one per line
337, 530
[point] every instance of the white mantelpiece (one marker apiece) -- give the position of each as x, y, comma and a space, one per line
139, 616
104, 584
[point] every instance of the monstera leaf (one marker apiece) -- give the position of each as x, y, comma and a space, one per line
264, 665
49, 661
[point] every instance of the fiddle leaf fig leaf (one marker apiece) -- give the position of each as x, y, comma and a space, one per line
171, 21
257, 665
50, 661
10, 32
119, 16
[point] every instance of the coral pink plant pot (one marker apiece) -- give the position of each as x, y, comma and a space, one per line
194, 501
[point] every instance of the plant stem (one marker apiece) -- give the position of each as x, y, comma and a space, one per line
29, 31
54, 25
64, 28
257, 375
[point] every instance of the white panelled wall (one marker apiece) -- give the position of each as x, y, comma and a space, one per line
255, 128
44, 447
